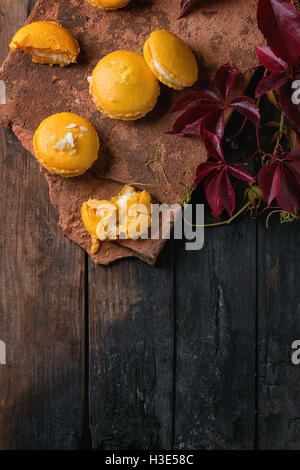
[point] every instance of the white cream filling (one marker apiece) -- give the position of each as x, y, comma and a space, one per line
55, 57
123, 200
164, 74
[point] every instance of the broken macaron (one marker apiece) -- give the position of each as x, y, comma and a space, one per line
123, 87
109, 4
66, 144
47, 42
125, 216
171, 60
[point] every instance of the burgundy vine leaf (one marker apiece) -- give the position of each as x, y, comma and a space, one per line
279, 22
218, 188
213, 122
225, 79
184, 6
191, 96
219, 193
270, 83
247, 107
280, 180
213, 145
269, 181
237, 170
207, 120
190, 120
289, 194
205, 169
270, 61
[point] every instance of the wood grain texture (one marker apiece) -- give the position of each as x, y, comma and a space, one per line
215, 337
278, 326
131, 354
42, 302
164, 372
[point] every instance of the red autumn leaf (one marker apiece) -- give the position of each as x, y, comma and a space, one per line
191, 116
269, 181
205, 169
279, 22
225, 79
212, 131
270, 61
270, 83
191, 96
247, 107
280, 180
289, 194
218, 188
279, 71
183, 7
219, 193
213, 145
237, 170
207, 120
213, 122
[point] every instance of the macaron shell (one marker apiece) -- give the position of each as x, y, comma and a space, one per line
174, 57
109, 4
123, 86
47, 36
150, 62
52, 130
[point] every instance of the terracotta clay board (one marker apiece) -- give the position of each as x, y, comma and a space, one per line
217, 32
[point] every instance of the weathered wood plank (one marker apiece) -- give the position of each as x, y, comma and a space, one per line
278, 326
42, 300
215, 306
131, 354
215, 337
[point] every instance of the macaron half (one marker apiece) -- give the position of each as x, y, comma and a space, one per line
123, 87
123, 216
109, 4
171, 60
66, 144
47, 42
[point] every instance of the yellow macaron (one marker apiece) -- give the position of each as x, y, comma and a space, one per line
109, 4
123, 87
47, 42
124, 216
66, 144
171, 60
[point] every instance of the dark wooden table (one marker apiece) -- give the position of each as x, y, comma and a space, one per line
194, 353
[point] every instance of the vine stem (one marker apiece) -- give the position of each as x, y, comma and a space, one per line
228, 221
280, 133
224, 222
